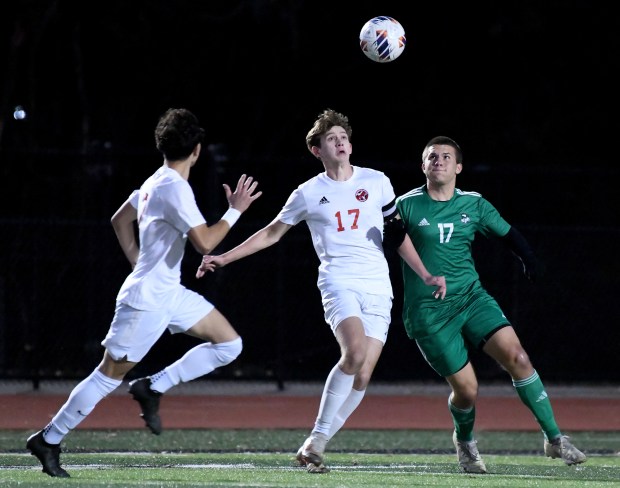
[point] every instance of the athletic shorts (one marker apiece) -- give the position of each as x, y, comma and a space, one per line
134, 332
472, 321
373, 310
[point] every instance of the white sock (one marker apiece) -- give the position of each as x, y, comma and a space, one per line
347, 408
337, 388
196, 362
82, 400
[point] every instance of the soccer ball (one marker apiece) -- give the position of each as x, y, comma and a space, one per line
382, 39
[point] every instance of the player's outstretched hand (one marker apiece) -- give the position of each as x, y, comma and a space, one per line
533, 269
244, 194
440, 283
209, 263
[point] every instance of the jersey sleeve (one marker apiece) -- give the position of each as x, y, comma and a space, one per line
492, 223
295, 209
134, 198
389, 199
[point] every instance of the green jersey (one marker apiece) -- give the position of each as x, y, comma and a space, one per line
443, 233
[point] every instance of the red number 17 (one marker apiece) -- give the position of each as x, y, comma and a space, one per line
355, 212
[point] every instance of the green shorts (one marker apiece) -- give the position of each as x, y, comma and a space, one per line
470, 321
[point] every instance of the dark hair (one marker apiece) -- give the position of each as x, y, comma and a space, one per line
326, 120
178, 133
445, 141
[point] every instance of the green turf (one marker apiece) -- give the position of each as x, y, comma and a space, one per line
265, 458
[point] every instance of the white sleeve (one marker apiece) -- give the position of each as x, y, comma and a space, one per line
295, 209
134, 198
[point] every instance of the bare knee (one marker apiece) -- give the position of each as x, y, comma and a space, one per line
352, 360
115, 369
464, 386
362, 378
464, 395
517, 362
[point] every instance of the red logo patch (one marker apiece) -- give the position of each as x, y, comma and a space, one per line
361, 195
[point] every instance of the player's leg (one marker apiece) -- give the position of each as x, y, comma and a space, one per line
360, 383
352, 340
375, 313
45, 444
462, 407
504, 346
195, 316
224, 347
447, 353
125, 346
376, 317
86, 395
462, 401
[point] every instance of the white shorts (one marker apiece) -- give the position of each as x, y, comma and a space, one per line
134, 332
373, 310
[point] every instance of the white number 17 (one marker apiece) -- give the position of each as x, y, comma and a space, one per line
445, 232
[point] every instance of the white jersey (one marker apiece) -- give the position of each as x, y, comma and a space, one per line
167, 210
345, 219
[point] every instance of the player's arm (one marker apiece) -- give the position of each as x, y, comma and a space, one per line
393, 232
123, 224
520, 247
410, 255
265, 237
395, 237
205, 238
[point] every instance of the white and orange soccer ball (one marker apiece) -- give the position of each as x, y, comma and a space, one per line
382, 39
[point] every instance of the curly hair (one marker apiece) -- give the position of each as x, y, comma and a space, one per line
326, 120
177, 134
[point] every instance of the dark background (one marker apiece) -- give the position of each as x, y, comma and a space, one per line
528, 88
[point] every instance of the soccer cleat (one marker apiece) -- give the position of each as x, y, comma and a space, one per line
310, 454
300, 458
468, 456
561, 447
47, 454
149, 402
317, 469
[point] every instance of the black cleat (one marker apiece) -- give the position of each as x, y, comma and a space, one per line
149, 402
47, 454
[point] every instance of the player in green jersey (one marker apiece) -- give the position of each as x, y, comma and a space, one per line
441, 221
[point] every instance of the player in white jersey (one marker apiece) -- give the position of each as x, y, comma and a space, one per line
152, 298
345, 209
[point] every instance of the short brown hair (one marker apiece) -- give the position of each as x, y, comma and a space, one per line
444, 141
326, 120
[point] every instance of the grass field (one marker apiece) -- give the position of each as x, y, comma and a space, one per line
265, 458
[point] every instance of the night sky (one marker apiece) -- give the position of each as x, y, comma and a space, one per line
515, 82
529, 88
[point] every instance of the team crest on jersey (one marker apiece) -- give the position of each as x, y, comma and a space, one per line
464, 218
361, 195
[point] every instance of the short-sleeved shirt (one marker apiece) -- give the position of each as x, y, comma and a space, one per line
167, 210
345, 219
443, 233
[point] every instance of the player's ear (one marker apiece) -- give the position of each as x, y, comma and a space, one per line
316, 151
459, 168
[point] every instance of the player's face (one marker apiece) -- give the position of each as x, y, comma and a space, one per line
440, 164
335, 145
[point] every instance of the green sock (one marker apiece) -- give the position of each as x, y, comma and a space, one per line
463, 421
532, 393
